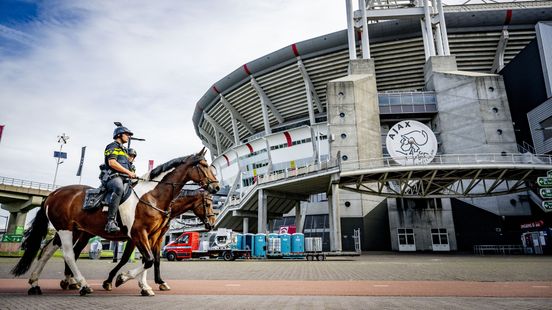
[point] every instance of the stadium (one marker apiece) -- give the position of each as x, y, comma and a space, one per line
303, 137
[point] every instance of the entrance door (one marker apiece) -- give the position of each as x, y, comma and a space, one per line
440, 240
407, 241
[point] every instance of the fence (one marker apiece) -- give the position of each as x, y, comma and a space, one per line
497, 249
27, 184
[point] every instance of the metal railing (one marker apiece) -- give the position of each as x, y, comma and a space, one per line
497, 249
27, 184
453, 159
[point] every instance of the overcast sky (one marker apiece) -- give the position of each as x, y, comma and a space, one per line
75, 66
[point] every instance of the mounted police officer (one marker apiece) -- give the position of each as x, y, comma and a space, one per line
118, 174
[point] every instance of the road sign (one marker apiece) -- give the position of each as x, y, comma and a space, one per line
547, 205
12, 238
544, 181
546, 193
60, 155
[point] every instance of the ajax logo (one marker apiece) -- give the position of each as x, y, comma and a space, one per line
411, 143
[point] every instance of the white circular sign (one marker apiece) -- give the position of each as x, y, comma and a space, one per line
411, 143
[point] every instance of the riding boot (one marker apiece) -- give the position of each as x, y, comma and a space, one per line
111, 226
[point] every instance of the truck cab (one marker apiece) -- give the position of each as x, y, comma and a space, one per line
183, 247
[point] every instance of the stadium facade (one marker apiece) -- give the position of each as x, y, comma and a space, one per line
299, 136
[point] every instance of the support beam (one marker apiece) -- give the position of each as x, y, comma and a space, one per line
218, 127
498, 62
236, 114
265, 101
299, 220
351, 29
235, 130
262, 207
245, 225
443, 26
335, 219
429, 28
312, 95
365, 38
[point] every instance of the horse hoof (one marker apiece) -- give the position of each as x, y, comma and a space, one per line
164, 287
64, 284
147, 292
107, 285
74, 286
119, 281
35, 290
85, 290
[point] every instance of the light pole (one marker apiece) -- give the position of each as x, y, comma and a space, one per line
62, 140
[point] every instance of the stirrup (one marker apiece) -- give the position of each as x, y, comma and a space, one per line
111, 227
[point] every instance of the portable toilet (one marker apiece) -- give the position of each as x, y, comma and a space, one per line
285, 240
238, 244
297, 243
274, 244
249, 243
259, 249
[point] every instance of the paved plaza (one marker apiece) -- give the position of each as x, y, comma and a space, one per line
375, 280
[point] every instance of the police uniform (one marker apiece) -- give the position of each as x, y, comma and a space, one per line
115, 182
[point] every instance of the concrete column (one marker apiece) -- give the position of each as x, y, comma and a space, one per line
262, 211
245, 225
17, 219
298, 217
335, 219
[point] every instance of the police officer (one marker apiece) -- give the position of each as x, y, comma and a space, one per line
131, 156
117, 161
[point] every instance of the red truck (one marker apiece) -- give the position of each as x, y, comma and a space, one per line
214, 244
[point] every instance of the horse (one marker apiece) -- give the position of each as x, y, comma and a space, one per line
142, 215
199, 201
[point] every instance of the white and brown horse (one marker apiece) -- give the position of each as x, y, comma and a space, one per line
142, 215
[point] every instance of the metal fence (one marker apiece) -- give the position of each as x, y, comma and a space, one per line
27, 184
497, 249
456, 159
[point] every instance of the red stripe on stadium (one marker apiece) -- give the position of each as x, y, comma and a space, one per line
227, 161
215, 89
508, 18
295, 51
288, 138
249, 147
246, 69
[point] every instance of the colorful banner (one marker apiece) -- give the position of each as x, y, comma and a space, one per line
83, 151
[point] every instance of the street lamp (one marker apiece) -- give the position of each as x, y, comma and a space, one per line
62, 140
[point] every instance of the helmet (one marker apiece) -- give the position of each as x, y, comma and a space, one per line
132, 152
120, 130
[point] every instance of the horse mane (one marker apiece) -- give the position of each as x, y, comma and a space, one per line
173, 163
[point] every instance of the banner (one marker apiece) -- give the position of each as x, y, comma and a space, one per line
150, 165
83, 151
1, 129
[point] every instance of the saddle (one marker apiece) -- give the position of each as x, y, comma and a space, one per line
96, 197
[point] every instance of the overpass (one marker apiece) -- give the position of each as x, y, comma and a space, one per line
19, 197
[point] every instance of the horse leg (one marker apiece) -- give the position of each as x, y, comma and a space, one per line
107, 284
46, 254
66, 238
163, 286
82, 240
142, 243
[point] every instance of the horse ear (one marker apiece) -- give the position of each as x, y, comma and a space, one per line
202, 152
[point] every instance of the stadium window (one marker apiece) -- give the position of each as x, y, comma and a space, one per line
546, 126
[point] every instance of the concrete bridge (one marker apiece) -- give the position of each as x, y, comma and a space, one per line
19, 197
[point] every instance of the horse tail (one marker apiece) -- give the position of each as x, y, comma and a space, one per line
32, 242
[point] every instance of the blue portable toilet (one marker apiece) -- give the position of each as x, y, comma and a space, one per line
259, 249
297, 243
240, 244
249, 242
285, 243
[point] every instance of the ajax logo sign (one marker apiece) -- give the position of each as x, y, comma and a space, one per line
411, 143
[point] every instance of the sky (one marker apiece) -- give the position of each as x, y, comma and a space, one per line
76, 66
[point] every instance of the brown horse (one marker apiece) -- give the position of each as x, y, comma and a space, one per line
199, 201
143, 214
